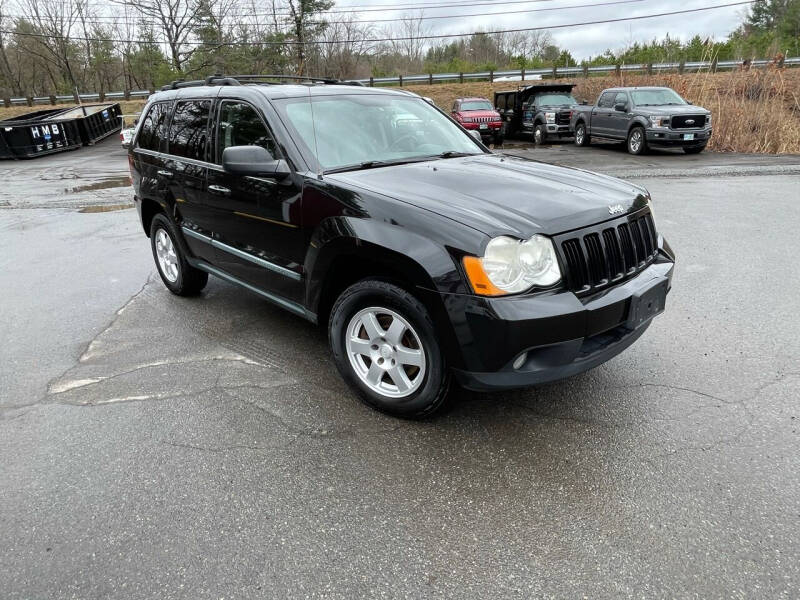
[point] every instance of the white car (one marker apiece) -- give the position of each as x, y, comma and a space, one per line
128, 127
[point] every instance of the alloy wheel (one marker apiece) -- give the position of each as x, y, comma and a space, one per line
165, 253
385, 352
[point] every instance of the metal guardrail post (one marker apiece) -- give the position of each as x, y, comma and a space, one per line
781, 61
29, 100
714, 66
555, 72
491, 75
430, 78
682, 67
400, 78
586, 70
126, 94
617, 69
522, 74
52, 99
460, 78
649, 68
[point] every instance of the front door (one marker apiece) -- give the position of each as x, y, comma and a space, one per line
258, 218
602, 114
619, 120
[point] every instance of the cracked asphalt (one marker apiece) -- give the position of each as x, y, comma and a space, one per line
162, 447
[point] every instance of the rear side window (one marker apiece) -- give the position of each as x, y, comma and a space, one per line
500, 102
188, 132
240, 125
153, 129
606, 100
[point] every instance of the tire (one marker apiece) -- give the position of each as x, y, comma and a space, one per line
181, 278
694, 149
581, 137
540, 135
637, 141
372, 366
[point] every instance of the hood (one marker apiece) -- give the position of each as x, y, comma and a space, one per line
680, 109
499, 194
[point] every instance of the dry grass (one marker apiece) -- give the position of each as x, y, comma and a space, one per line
129, 107
754, 111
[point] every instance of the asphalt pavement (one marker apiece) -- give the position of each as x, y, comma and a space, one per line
162, 447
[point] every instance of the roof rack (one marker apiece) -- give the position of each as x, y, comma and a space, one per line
219, 79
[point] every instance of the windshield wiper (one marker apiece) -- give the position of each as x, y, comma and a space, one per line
455, 154
372, 164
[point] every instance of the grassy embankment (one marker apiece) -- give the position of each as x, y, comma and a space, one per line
754, 111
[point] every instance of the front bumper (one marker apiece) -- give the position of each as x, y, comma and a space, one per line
560, 334
677, 138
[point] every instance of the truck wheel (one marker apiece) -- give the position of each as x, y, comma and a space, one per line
581, 138
385, 347
694, 149
178, 275
637, 143
540, 135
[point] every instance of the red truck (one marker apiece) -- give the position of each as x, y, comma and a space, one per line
479, 114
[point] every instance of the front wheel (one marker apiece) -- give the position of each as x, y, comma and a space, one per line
637, 143
385, 347
581, 138
694, 149
540, 135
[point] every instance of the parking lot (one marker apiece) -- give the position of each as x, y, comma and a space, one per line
157, 446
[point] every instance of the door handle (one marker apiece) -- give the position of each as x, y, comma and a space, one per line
218, 189
167, 174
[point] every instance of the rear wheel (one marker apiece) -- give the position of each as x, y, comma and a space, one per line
540, 135
694, 149
177, 274
386, 349
581, 138
637, 144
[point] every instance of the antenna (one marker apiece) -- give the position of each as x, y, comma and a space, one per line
314, 131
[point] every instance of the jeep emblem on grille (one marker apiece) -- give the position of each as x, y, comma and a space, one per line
616, 209
690, 121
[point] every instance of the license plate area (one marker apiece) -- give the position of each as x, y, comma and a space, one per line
688, 136
647, 302
484, 126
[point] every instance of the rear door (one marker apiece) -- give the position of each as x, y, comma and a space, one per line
602, 113
258, 224
187, 163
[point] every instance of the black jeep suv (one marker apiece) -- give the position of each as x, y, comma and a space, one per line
374, 213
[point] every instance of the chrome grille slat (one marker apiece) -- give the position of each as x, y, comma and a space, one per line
598, 256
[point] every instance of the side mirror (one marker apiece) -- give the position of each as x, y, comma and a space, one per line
621, 107
689, 102
254, 161
476, 134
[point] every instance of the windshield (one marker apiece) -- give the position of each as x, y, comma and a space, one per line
657, 97
554, 99
369, 129
477, 105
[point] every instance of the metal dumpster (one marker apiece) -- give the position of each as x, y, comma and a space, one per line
56, 130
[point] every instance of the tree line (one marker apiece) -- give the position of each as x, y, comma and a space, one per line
64, 46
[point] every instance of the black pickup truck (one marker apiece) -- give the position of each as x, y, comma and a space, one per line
643, 117
543, 110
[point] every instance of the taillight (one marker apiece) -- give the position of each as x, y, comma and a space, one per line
130, 166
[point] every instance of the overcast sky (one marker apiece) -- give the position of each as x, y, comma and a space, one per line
584, 41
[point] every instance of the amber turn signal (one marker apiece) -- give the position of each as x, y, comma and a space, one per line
478, 278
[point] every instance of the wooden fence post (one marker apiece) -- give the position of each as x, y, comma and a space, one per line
617, 69
29, 100
126, 94
430, 78
714, 65
555, 72
460, 78
586, 70
682, 67
371, 82
522, 74
7, 102
52, 99
491, 75
401, 80
101, 96
649, 68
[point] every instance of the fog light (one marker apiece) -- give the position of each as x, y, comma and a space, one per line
520, 360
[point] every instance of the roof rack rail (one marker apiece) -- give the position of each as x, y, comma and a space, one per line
219, 79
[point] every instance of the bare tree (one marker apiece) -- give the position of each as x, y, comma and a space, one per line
407, 39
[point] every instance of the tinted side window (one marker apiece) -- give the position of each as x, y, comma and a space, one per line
153, 127
500, 102
188, 132
606, 100
240, 125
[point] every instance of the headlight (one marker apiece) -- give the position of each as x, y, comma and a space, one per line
550, 116
466, 119
510, 266
708, 120
659, 122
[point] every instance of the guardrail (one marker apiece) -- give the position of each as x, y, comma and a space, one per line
554, 72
